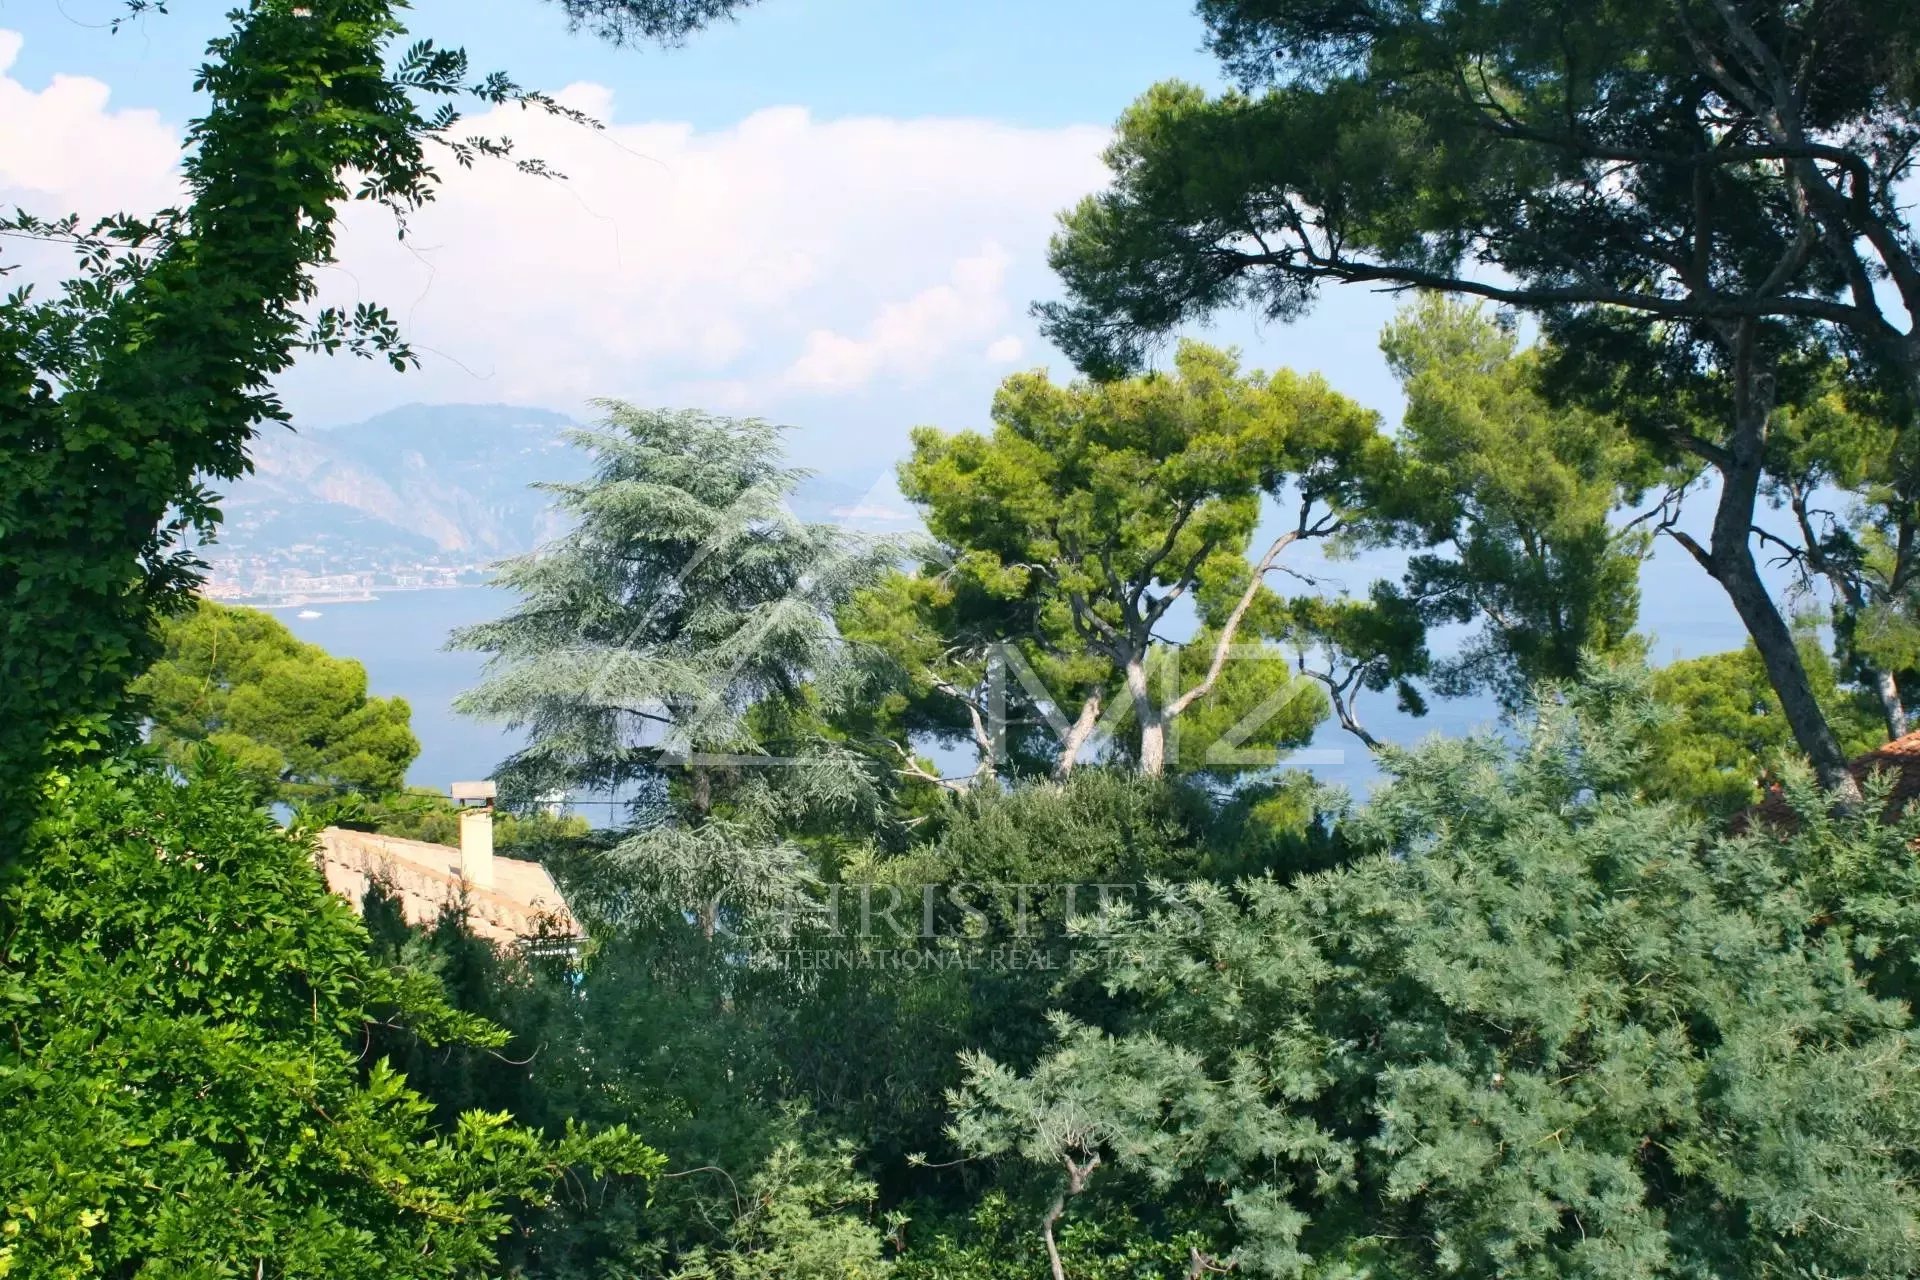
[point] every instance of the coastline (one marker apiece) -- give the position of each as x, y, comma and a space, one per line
302, 600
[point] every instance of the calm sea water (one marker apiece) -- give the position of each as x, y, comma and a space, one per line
401, 639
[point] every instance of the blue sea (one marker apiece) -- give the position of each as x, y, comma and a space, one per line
401, 640
401, 637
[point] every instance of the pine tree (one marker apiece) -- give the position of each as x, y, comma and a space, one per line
296, 719
669, 647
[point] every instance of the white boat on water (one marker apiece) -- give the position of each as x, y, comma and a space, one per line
307, 613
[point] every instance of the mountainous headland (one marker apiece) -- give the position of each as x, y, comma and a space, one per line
418, 497
422, 497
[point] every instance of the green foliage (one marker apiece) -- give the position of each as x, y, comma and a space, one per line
1521, 491
1543, 1030
872, 1050
1257, 710
793, 1225
621, 21
996, 1242
706, 1044
657, 1027
937, 649
685, 594
1839, 436
1396, 142
144, 378
1348, 644
1511, 1019
1713, 212
1099, 826
148, 373
1093, 509
655, 644
295, 720
181, 1072
1727, 738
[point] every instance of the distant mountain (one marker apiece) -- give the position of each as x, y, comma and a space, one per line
446, 483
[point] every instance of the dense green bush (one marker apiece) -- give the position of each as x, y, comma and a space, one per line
1727, 735
996, 1241
1543, 1029
184, 1083
1509, 1018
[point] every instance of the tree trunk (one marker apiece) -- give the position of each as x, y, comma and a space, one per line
1054, 1210
1078, 736
700, 788
1077, 1175
1730, 561
1740, 578
983, 725
1343, 711
1153, 729
1153, 748
1230, 629
1885, 688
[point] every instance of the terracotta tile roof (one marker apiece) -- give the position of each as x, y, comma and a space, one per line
1898, 760
524, 902
1906, 750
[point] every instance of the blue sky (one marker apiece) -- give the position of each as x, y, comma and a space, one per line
1052, 63
831, 213
1050, 78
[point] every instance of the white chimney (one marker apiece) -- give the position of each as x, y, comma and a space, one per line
476, 833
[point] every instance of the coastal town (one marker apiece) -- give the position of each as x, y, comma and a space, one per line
268, 582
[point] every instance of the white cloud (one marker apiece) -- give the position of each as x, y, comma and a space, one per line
783, 257
780, 258
62, 150
910, 337
860, 266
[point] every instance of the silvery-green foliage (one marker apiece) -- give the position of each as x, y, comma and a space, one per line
799, 1220
687, 593
656, 645
728, 873
1545, 1030
740, 871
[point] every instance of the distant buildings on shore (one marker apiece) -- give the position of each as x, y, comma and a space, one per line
267, 585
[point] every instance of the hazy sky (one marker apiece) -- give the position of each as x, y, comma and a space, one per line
832, 213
